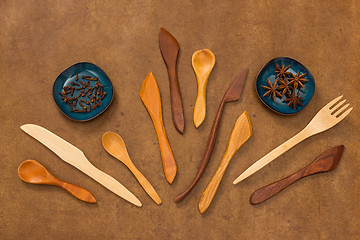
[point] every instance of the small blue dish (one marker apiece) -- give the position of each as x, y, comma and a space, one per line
68, 76
279, 105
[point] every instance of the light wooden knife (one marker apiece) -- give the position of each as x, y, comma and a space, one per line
75, 157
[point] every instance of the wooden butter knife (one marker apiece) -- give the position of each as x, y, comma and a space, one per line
150, 96
169, 48
232, 94
241, 132
327, 161
75, 157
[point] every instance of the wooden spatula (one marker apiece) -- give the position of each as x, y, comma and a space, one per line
327, 161
169, 48
241, 132
150, 96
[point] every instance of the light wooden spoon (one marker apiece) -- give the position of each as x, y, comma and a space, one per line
150, 96
241, 132
203, 62
115, 146
31, 171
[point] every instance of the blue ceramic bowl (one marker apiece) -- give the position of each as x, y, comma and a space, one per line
68, 76
279, 105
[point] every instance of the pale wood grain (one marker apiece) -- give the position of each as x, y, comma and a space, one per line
241, 132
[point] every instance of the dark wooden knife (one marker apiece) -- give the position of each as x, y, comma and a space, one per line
169, 48
327, 161
232, 94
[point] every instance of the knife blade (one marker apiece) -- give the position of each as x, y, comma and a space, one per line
75, 157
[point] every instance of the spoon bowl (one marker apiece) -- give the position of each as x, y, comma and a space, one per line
203, 62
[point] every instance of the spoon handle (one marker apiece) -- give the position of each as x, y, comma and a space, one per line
76, 191
144, 183
167, 156
200, 106
272, 189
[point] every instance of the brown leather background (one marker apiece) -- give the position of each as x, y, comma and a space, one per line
39, 39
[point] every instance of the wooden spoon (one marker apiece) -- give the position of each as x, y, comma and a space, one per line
31, 171
326, 162
150, 96
169, 48
115, 146
241, 132
203, 62
232, 94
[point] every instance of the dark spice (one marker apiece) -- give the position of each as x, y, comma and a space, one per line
298, 80
271, 90
284, 87
294, 100
281, 71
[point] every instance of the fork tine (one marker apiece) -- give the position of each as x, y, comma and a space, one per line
342, 116
333, 109
330, 104
340, 110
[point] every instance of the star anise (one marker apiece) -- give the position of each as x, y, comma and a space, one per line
284, 87
294, 100
271, 90
298, 80
281, 71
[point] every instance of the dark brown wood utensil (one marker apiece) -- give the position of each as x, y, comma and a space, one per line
327, 161
169, 48
232, 94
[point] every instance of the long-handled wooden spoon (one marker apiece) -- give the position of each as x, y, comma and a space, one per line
241, 132
169, 48
232, 94
31, 171
326, 162
115, 146
150, 96
203, 62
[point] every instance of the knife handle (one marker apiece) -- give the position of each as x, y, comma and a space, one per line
210, 191
76, 191
272, 189
175, 99
167, 156
110, 183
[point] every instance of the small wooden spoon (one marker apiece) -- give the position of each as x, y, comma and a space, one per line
241, 132
115, 146
150, 96
203, 62
31, 171
326, 162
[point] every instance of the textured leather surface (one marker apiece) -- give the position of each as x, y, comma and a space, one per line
39, 39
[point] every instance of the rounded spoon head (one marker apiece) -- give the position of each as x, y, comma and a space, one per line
203, 62
32, 171
114, 144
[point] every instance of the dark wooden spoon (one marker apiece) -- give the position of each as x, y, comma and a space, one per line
31, 171
327, 161
232, 94
169, 48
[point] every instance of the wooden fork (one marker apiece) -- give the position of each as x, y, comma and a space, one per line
327, 117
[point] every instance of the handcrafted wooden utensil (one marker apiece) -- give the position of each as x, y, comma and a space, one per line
150, 96
330, 115
75, 157
203, 62
241, 132
169, 48
326, 162
115, 146
232, 94
31, 171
